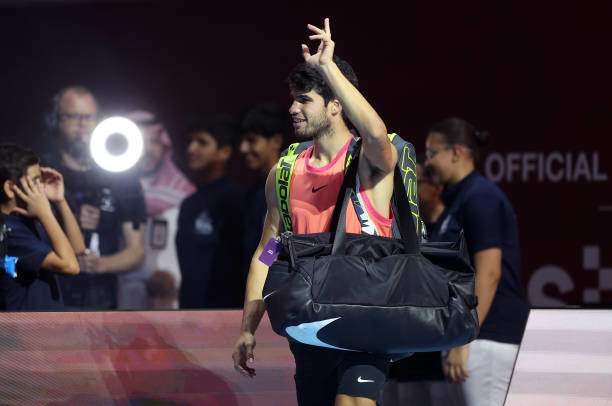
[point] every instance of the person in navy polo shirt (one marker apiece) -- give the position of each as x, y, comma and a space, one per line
482, 210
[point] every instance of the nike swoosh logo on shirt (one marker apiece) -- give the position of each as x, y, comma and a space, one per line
364, 380
315, 190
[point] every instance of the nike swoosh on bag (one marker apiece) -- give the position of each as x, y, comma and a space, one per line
306, 333
269, 294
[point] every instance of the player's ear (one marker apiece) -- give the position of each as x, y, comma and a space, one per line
335, 107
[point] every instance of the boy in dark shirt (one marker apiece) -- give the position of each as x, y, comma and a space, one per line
35, 238
265, 127
210, 224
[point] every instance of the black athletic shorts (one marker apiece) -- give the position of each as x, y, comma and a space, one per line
322, 373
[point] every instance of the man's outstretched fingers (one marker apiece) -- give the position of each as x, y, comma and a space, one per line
326, 24
305, 51
316, 29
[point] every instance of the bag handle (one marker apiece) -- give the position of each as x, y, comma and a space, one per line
338, 222
403, 215
401, 207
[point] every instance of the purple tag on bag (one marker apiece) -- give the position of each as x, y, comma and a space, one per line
270, 252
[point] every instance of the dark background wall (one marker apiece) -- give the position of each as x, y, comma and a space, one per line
537, 76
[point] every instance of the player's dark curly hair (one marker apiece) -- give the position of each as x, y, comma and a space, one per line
304, 78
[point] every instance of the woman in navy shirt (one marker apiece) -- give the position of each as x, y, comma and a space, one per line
482, 210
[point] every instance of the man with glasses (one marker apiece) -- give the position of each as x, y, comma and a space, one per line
110, 207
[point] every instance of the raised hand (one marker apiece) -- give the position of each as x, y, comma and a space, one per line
33, 195
53, 183
325, 52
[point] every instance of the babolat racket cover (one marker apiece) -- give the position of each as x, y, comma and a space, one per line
370, 293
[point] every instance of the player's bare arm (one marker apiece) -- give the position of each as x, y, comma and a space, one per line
254, 307
378, 155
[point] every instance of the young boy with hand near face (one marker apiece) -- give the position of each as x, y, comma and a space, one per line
35, 240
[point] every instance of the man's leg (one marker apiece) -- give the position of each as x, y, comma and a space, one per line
361, 379
316, 378
505, 356
344, 400
490, 366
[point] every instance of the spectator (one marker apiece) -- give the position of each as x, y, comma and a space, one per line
164, 187
210, 228
264, 130
33, 235
487, 218
109, 206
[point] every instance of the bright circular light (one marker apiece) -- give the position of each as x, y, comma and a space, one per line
101, 155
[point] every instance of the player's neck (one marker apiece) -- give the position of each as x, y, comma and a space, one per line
327, 146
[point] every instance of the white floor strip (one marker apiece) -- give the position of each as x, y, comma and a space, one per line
563, 362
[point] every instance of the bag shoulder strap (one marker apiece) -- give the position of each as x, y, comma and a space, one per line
403, 217
406, 168
406, 163
284, 173
296, 148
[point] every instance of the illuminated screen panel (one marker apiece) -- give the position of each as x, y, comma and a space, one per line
565, 359
138, 358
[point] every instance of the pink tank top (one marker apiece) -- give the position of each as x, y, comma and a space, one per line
313, 196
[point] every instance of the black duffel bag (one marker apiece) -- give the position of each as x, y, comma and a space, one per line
370, 293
